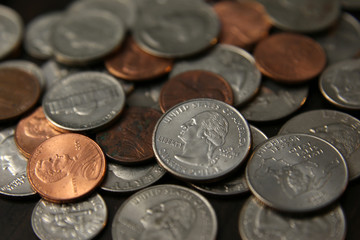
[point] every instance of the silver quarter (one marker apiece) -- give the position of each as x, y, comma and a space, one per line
338, 128
297, 173
176, 28
165, 212
201, 140
274, 101
258, 222
234, 64
81, 220
37, 36
13, 178
84, 101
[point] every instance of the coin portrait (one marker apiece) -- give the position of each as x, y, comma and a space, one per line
346, 85
9, 159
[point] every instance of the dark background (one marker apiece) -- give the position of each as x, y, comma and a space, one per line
15, 213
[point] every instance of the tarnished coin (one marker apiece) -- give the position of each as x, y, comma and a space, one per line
350, 4
13, 177
81, 220
66, 167
165, 212
275, 101
234, 64
201, 140
194, 84
176, 28
338, 128
11, 31
297, 173
127, 179
128, 141
258, 222
84, 101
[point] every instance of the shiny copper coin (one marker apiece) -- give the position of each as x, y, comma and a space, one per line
132, 63
66, 167
32, 131
194, 84
129, 140
290, 57
19, 92
242, 23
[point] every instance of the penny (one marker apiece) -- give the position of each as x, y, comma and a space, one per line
243, 23
132, 63
201, 140
128, 141
297, 173
258, 222
290, 57
194, 84
19, 92
32, 131
165, 212
66, 167
81, 220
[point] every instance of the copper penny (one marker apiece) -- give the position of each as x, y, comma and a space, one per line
66, 167
129, 140
132, 63
194, 84
242, 23
19, 92
32, 131
290, 57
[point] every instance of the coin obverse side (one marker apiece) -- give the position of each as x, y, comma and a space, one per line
201, 140
81, 220
297, 173
165, 212
258, 222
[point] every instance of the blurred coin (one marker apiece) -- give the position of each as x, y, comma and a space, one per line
81, 220
194, 84
128, 141
38, 33
66, 167
146, 95
84, 101
201, 140
350, 4
13, 178
297, 173
258, 222
338, 128
290, 57
165, 212
234, 64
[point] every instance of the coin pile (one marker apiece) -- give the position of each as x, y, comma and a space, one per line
129, 91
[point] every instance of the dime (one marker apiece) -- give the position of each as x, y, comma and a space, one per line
81, 220
201, 140
297, 173
258, 222
13, 177
234, 64
165, 212
84, 101
338, 128
194, 84
66, 167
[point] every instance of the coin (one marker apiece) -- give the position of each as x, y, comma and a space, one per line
128, 141
84, 101
201, 140
289, 57
350, 4
146, 95
194, 84
297, 173
258, 222
165, 212
338, 128
66, 167
81, 220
